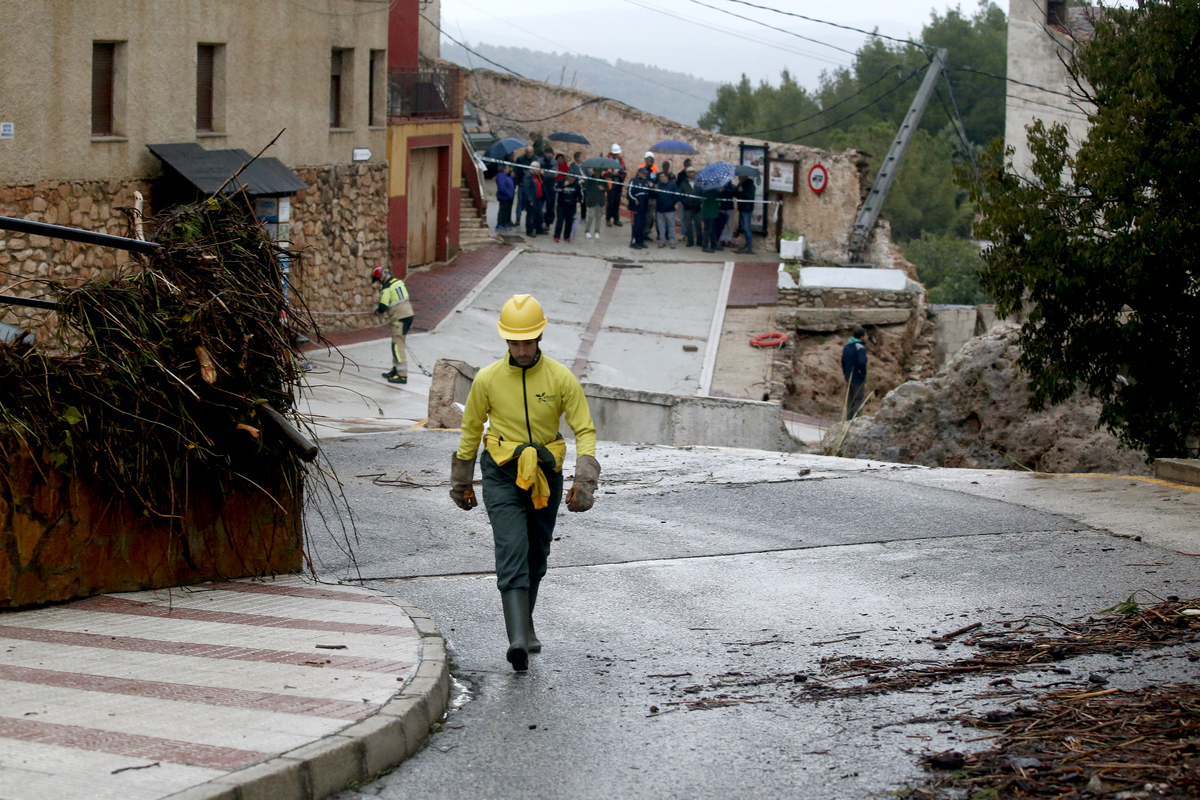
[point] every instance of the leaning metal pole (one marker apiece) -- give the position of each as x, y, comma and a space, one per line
76, 235
869, 213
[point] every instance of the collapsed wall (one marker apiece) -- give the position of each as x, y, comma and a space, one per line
975, 414
514, 106
819, 313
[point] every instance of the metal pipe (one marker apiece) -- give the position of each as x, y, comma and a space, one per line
9, 300
293, 439
77, 235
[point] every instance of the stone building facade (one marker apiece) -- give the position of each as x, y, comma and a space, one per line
223, 75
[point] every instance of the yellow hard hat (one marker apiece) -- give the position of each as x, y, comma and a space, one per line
521, 319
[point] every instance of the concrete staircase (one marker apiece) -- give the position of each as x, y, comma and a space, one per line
473, 230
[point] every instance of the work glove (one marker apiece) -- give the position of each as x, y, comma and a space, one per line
462, 482
587, 475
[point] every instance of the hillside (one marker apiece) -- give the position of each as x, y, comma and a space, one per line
673, 95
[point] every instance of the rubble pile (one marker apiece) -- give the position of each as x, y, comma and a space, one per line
974, 413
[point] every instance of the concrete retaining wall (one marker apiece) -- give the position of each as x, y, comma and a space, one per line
630, 415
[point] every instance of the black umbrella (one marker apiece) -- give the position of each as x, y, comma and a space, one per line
504, 148
568, 136
743, 171
601, 163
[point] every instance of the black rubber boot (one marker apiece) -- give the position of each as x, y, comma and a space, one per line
535, 646
516, 622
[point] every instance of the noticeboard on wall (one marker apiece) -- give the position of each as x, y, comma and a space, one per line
756, 156
782, 176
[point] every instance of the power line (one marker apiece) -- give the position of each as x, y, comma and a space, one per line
875, 34
1067, 95
859, 111
736, 35
774, 28
469, 50
823, 110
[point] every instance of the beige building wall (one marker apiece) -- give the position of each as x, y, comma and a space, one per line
430, 39
276, 69
1037, 57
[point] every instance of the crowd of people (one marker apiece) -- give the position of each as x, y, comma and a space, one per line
558, 196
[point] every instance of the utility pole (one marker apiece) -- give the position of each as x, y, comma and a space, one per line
869, 212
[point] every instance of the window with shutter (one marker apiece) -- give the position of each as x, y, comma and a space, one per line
205, 59
103, 63
335, 90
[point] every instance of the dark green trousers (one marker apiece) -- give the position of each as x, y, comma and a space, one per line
522, 533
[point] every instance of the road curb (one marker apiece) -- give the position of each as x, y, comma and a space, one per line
354, 755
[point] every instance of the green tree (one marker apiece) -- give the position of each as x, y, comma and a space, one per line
948, 267
862, 106
1103, 241
924, 196
743, 109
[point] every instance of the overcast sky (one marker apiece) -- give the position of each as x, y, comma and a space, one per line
685, 36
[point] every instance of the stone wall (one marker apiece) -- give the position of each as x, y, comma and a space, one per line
27, 261
339, 224
826, 219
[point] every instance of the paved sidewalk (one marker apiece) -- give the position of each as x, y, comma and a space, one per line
283, 688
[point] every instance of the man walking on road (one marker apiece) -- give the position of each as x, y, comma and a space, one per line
522, 397
854, 368
393, 301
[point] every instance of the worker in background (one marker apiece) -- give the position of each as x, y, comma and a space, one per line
393, 301
521, 397
615, 187
854, 368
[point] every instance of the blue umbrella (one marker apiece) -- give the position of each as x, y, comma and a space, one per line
674, 146
713, 176
504, 148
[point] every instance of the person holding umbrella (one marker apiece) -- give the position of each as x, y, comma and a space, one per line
593, 197
745, 206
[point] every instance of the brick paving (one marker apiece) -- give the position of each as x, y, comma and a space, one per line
198, 683
434, 292
754, 284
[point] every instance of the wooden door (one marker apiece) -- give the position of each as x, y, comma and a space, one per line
422, 205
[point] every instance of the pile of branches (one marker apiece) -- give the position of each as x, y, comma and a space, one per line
161, 371
1133, 744
1015, 645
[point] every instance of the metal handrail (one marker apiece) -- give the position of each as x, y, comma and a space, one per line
76, 235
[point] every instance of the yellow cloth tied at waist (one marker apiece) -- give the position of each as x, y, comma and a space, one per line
529, 471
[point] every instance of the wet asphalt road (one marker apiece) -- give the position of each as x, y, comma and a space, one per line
699, 568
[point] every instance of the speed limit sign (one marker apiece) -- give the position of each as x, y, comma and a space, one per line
817, 178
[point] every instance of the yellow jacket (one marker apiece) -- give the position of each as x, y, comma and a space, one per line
524, 405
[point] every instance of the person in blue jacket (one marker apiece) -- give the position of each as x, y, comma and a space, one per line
505, 191
854, 368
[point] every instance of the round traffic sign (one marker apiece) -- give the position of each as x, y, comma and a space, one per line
817, 178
